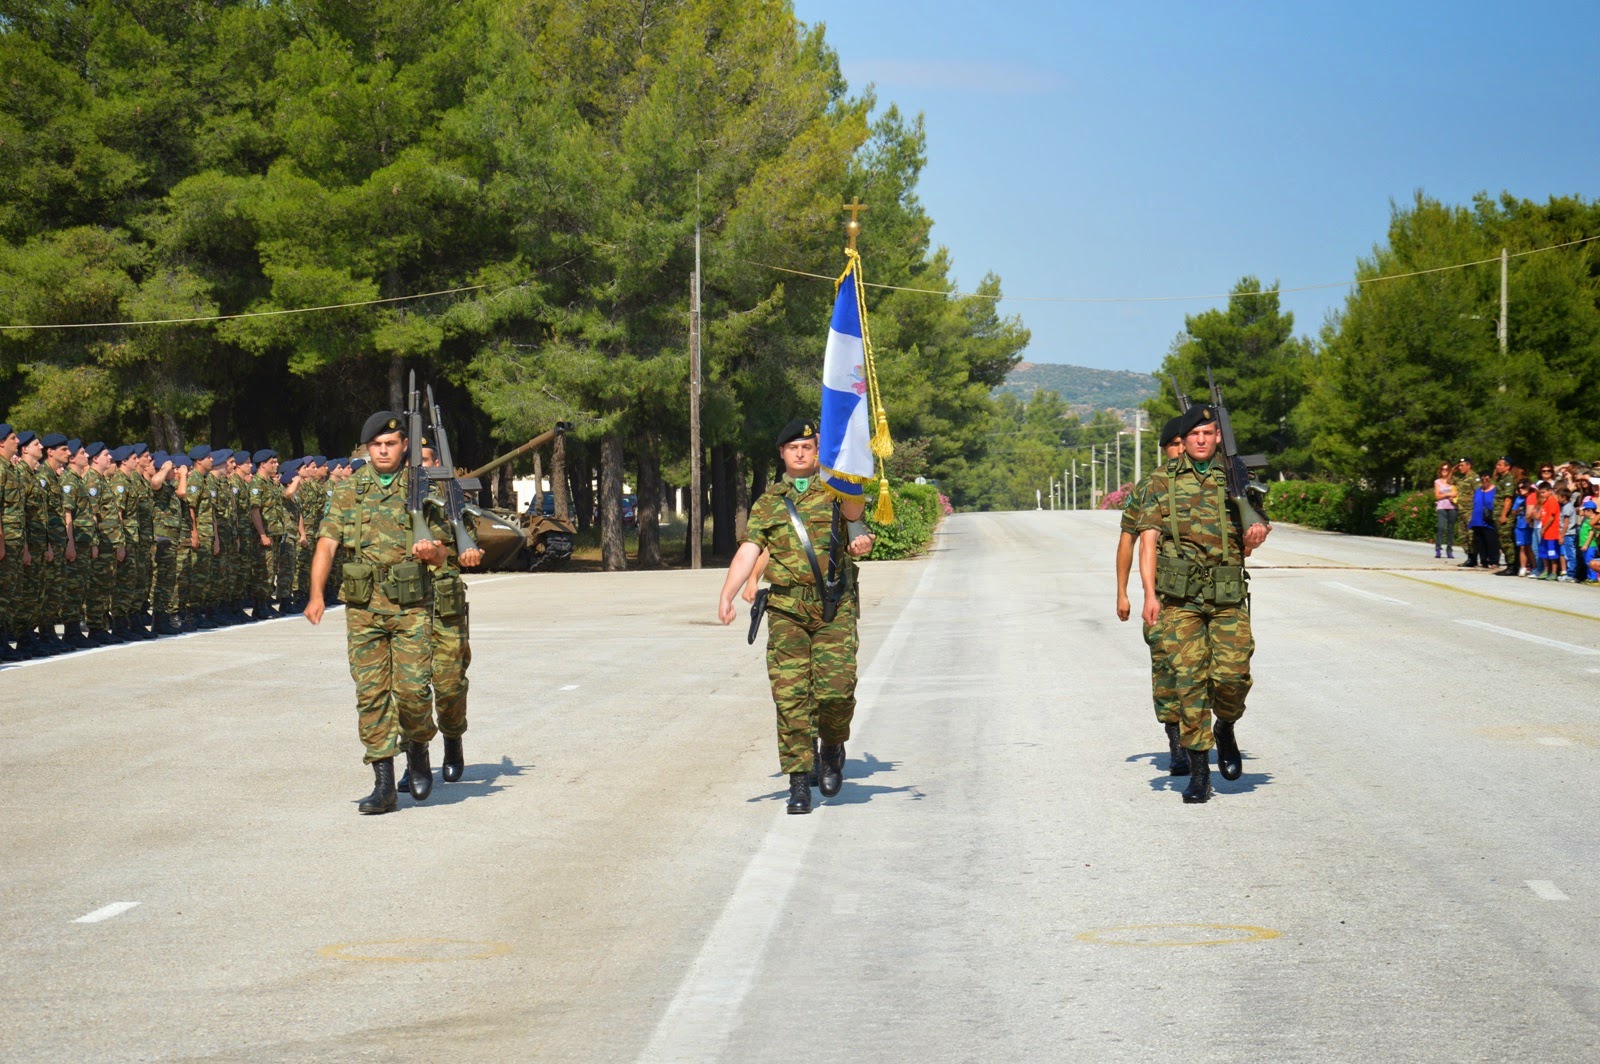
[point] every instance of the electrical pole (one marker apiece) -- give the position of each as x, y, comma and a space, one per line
1074, 483
694, 391
1502, 327
1138, 465
1094, 470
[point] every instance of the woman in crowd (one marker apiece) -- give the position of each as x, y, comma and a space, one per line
1445, 513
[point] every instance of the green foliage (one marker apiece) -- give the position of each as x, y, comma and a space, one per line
917, 511
1409, 516
1324, 505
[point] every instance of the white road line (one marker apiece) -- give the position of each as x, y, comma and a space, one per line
116, 908
705, 1011
1556, 644
1547, 890
570, 687
486, 580
1364, 594
1552, 740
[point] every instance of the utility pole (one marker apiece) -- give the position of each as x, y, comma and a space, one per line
1138, 466
694, 391
1094, 469
1502, 327
1074, 483
1119, 462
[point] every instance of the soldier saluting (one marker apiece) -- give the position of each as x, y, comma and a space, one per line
387, 596
811, 649
1192, 546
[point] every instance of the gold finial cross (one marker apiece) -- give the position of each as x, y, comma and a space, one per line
852, 228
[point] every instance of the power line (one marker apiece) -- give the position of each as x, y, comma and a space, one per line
1176, 299
246, 314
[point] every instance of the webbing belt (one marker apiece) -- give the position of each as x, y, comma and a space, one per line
805, 540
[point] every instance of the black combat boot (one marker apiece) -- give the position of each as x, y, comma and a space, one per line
75, 637
1228, 761
168, 624
418, 771
814, 776
1199, 789
383, 798
454, 761
140, 631
1177, 756
832, 768
52, 642
7, 655
799, 792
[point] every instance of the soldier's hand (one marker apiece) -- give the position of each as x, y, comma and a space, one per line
429, 551
2, 550
860, 545
27, 557
122, 554
194, 541
314, 609
94, 551
1152, 610
266, 540
1124, 607
749, 593
216, 546
72, 551
725, 611
471, 559
49, 554
1256, 535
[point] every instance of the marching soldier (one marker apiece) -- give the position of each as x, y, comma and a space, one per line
268, 523
77, 507
387, 607
61, 550
38, 637
1192, 548
811, 661
1163, 688
169, 523
110, 545
294, 538
13, 542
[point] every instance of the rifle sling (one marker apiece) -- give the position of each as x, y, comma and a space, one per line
805, 541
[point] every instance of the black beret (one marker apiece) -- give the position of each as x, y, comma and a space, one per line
381, 422
1170, 432
1197, 415
798, 429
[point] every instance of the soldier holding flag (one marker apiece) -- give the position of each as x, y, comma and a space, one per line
812, 525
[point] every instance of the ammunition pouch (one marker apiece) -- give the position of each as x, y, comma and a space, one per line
1176, 577
450, 597
1228, 585
407, 584
357, 586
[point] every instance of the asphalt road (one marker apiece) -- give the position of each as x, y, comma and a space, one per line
1405, 871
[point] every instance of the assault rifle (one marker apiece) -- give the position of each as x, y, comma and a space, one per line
445, 473
417, 482
1237, 468
835, 584
1183, 400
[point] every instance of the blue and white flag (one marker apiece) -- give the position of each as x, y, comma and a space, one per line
844, 439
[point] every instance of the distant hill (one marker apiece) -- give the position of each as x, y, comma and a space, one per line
1079, 386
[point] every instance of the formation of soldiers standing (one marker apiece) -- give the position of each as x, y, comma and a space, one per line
102, 545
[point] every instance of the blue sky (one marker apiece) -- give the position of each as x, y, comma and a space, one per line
1155, 149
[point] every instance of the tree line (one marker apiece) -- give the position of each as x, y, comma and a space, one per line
232, 157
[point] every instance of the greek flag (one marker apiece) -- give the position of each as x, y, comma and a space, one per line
844, 440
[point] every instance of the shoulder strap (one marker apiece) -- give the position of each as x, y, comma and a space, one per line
1172, 507
805, 539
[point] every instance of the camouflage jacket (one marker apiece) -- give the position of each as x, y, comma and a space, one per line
55, 525
36, 503
1135, 505
266, 495
370, 521
107, 518
1208, 525
76, 500
171, 517
769, 528
203, 501
123, 489
13, 502
1465, 486
1505, 486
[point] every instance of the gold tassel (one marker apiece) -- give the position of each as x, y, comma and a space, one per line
884, 514
882, 445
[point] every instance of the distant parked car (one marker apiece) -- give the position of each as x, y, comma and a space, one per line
630, 511
549, 508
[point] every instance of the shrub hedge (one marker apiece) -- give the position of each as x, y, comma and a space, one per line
918, 508
1342, 508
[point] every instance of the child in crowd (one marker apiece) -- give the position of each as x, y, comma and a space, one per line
1546, 517
1569, 534
1586, 540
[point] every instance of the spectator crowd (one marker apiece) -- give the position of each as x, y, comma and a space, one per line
1541, 525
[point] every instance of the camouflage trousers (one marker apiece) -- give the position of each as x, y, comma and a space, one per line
1507, 532
165, 577
284, 573
452, 653
102, 585
76, 576
263, 570
9, 566
52, 607
812, 667
26, 589
130, 591
1211, 648
391, 661
1163, 685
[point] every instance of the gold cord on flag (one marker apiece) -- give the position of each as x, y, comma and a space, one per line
882, 444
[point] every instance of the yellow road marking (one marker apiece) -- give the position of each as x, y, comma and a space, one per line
1099, 935
481, 950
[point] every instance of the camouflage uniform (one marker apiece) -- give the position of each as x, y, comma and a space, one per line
1465, 484
77, 575
1505, 486
452, 650
144, 560
127, 593
30, 597
53, 596
389, 645
1212, 643
288, 548
1163, 686
810, 663
170, 525
108, 537
266, 496
14, 523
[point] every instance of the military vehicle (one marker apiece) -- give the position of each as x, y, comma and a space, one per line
521, 542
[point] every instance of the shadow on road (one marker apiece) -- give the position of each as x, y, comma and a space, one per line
1247, 781
477, 781
854, 792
